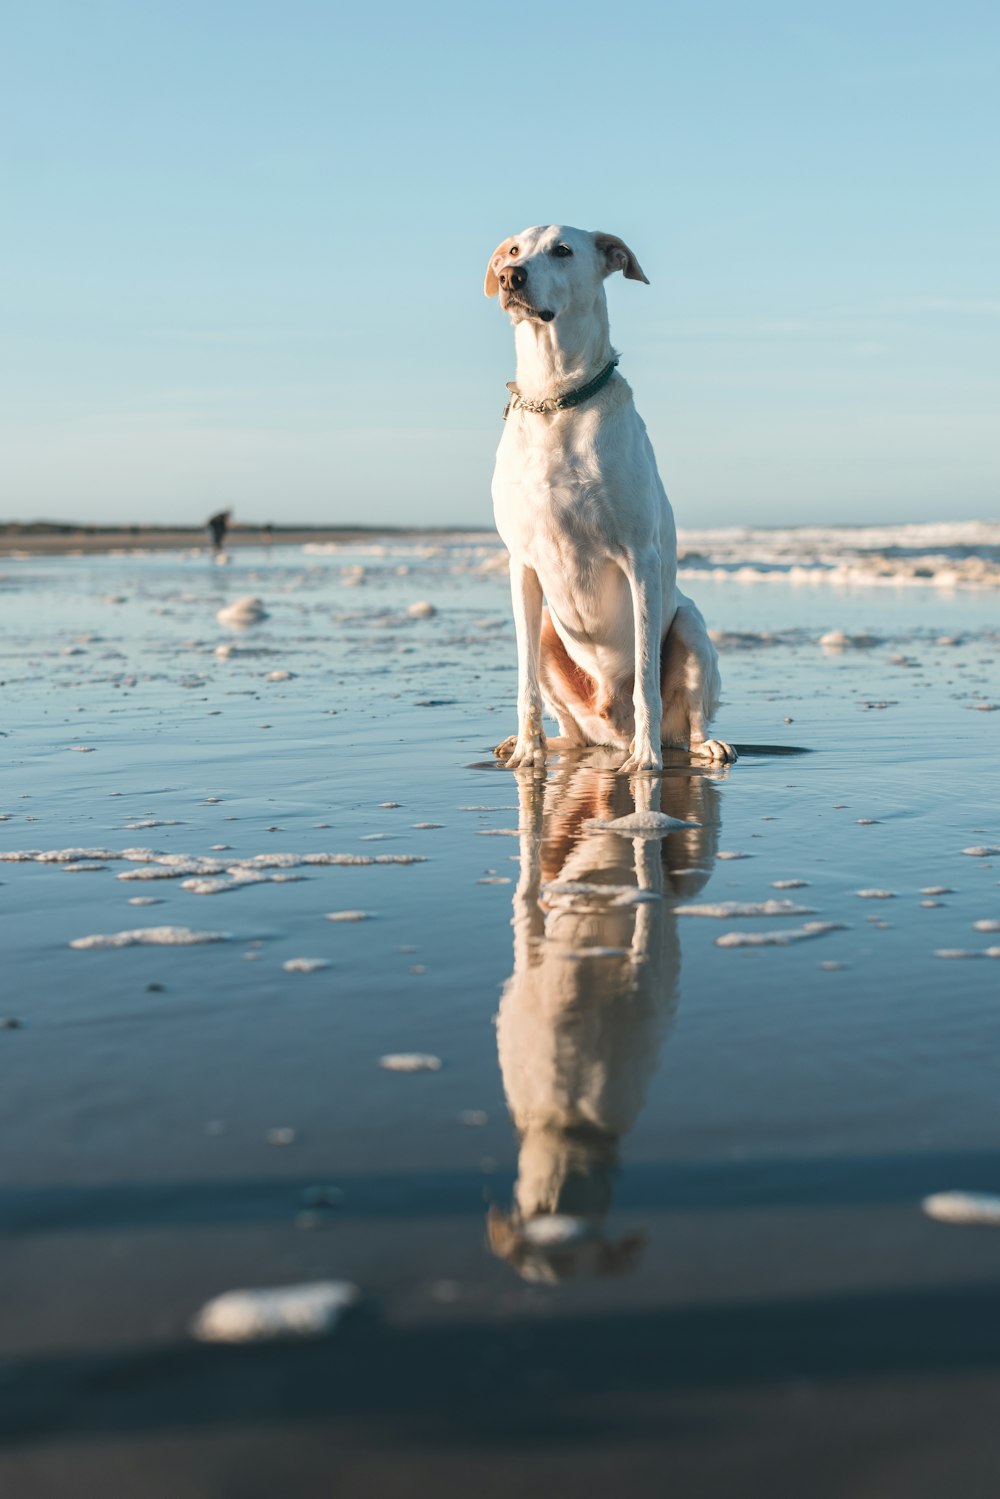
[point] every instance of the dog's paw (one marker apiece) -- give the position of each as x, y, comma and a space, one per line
716, 751
517, 753
641, 760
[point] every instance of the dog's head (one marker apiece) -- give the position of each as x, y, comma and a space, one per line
546, 271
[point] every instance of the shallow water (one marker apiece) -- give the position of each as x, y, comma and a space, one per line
629, 1116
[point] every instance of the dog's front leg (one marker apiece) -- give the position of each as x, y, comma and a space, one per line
643, 573
526, 597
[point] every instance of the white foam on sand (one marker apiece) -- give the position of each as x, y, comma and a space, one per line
245, 611
352, 859
268, 861
410, 1061
338, 859
235, 878
150, 936
836, 640
640, 825
73, 855
724, 909
202, 886
309, 1310
978, 1208
173, 870
778, 939
206, 876
556, 1229
962, 953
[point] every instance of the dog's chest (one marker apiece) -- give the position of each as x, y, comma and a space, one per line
555, 495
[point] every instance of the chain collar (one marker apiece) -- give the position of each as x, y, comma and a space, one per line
559, 403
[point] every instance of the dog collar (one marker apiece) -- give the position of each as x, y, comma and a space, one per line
563, 402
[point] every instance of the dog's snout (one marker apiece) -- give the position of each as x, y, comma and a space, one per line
512, 277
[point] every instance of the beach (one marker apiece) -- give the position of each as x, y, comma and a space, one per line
56, 539
621, 1138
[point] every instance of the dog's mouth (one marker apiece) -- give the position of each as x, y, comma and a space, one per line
520, 308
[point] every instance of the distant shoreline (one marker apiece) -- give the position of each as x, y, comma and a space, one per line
55, 538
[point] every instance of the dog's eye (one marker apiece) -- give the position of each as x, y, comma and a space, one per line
562, 251
512, 250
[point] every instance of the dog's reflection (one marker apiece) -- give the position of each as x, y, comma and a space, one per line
596, 963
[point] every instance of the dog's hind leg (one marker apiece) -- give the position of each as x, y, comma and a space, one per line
690, 682
567, 688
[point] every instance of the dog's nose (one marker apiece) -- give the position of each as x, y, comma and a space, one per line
512, 277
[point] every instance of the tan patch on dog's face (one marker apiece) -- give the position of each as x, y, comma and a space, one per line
491, 285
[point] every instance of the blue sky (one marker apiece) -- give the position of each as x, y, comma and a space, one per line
244, 244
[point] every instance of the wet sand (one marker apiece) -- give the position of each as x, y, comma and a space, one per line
655, 1220
60, 540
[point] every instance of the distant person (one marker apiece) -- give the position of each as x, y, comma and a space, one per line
268, 531
218, 525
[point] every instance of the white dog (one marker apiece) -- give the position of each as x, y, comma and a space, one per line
620, 654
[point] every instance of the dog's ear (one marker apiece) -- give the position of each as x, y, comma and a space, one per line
492, 285
618, 257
